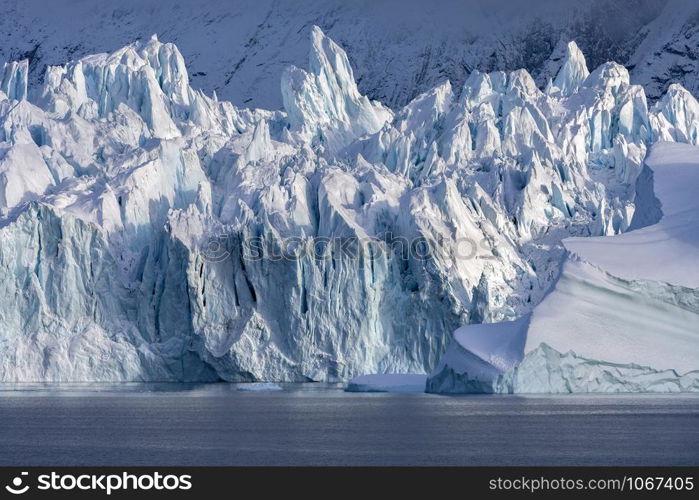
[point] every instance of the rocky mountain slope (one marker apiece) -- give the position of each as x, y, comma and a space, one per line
399, 48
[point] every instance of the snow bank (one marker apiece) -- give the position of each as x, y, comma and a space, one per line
669, 250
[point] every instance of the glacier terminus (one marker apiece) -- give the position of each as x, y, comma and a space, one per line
495, 236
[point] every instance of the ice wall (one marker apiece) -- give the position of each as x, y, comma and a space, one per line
157, 233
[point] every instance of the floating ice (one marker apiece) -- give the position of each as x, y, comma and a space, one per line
260, 387
387, 382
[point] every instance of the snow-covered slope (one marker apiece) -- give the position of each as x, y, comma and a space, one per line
668, 51
625, 310
153, 231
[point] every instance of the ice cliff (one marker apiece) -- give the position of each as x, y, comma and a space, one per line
153, 232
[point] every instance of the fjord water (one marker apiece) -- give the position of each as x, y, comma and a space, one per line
313, 424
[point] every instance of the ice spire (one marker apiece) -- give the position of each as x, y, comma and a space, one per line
325, 102
573, 72
260, 145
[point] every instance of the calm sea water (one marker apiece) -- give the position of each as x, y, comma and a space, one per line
311, 424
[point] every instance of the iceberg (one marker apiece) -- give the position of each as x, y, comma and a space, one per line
387, 382
260, 387
478, 356
545, 370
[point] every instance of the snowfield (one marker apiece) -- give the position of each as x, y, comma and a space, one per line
152, 231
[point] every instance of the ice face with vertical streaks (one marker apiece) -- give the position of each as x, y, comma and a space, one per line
13, 79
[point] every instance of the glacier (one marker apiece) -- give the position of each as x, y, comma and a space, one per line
154, 232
